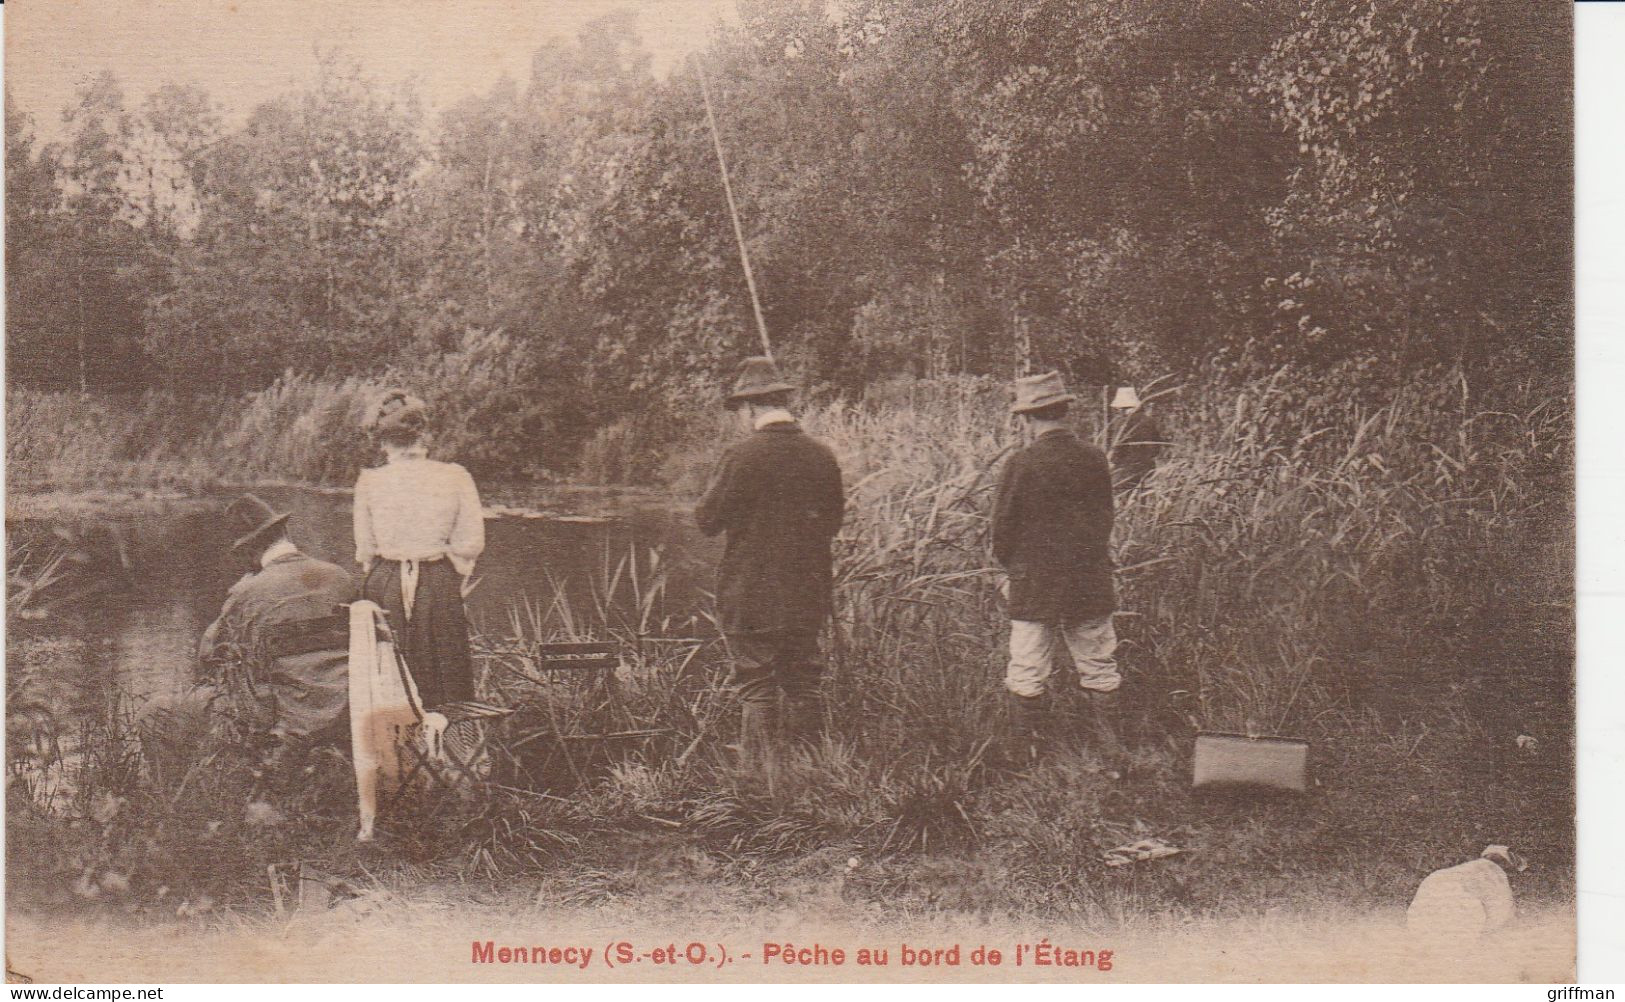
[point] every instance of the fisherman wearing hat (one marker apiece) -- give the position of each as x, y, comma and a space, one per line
1051, 527
778, 497
1136, 440
277, 641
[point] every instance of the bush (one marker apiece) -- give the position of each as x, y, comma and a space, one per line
491, 407
302, 428
490, 410
69, 438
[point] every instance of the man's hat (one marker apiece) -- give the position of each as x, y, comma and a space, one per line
1037, 392
758, 377
1126, 399
252, 519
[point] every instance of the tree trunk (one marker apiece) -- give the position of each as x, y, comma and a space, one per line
485, 228
79, 286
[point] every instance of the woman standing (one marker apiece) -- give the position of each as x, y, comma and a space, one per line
418, 531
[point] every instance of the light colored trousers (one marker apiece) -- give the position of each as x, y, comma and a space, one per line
1092, 644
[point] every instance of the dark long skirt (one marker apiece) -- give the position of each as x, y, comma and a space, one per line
434, 642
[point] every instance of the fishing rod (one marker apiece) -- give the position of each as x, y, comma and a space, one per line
733, 213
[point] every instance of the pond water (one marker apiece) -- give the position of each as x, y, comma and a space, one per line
159, 568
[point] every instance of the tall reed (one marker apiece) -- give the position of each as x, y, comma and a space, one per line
487, 406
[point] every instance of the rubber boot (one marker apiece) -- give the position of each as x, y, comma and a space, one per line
1028, 718
1103, 708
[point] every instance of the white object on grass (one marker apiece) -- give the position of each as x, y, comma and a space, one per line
1141, 851
1465, 901
385, 713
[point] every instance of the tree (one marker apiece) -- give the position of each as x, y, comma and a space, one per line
298, 262
1119, 188
97, 249
177, 127
37, 324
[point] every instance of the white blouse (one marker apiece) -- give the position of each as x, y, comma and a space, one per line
415, 508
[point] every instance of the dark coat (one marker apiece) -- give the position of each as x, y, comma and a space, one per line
308, 691
1052, 525
779, 498
1139, 443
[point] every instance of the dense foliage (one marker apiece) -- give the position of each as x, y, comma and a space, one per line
1119, 188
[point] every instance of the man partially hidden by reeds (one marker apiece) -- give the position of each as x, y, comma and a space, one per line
1052, 524
778, 496
282, 653
1137, 440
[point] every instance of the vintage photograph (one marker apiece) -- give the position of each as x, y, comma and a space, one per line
789, 491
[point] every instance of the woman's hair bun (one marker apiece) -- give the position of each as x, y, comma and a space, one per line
398, 410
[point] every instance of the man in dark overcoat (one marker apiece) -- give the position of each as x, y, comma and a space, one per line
1051, 529
778, 496
282, 625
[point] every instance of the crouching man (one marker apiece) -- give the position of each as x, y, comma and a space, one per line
280, 647
778, 496
1051, 529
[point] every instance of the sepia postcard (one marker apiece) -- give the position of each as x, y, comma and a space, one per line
991, 491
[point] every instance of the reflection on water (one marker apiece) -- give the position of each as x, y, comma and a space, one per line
167, 572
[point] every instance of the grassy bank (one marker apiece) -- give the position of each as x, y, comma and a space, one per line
1388, 579
298, 429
